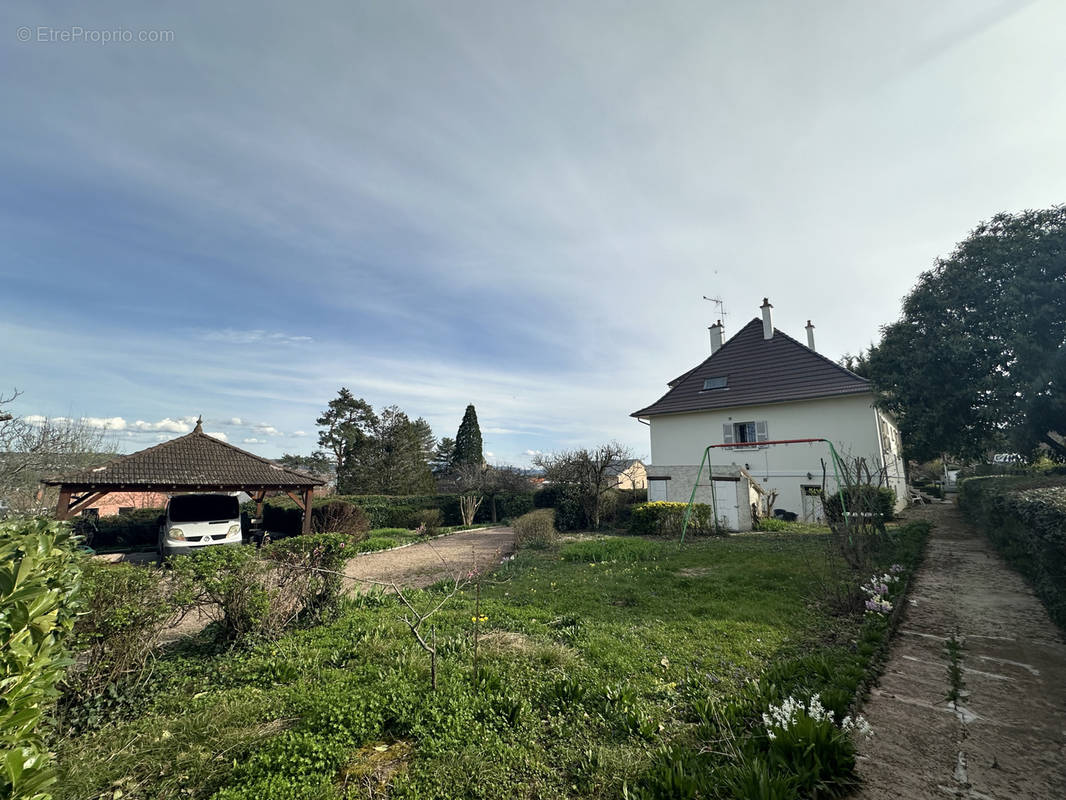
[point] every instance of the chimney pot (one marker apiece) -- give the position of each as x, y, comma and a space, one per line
767, 320
716, 336
810, 335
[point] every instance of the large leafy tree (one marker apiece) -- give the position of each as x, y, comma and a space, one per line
978, 359
468, 447
345, 431
374, 453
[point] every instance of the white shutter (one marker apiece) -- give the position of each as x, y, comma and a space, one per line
762, 433
727, 433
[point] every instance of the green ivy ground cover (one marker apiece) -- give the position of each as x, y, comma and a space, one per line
588, 668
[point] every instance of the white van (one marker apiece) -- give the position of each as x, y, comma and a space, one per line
199, 520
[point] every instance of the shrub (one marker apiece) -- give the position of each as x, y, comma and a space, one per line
39, 579
340, 517
310, 570
511, 505
599, 550
126, 607
1025, 519
428, 520
878, 500
667, 519
231, 582
535, 529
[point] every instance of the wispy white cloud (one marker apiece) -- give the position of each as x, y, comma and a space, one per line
231, 336
253, 440
181, 425
218, 435
105, 423
235, 421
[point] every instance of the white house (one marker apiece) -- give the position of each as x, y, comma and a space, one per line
762, 386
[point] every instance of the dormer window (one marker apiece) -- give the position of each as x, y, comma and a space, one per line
714, 383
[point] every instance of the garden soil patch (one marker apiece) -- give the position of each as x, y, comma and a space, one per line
1006, 735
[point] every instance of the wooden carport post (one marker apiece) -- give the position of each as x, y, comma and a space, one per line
306, 527
63, 508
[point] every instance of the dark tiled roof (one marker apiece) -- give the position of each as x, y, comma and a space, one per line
758, 371
195, 461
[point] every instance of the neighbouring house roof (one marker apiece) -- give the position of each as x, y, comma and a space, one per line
757, 371
194, 462
624, 467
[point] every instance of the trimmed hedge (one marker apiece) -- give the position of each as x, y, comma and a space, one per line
137, 528
884, 502
1025, 519
281, 514
667, 519
39, 582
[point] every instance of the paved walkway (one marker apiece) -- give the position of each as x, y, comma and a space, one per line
1006, 737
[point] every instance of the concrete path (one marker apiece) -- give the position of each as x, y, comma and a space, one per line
1006, 736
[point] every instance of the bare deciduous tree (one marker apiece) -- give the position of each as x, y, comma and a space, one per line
35, 448
591, 472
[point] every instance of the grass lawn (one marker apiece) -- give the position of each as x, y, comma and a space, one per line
593, 657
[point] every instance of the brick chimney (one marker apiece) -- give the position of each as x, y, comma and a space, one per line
810, 334
716, 336
767, 321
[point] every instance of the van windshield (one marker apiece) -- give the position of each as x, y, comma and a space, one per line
203, 508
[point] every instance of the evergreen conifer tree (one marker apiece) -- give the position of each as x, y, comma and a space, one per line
468, 449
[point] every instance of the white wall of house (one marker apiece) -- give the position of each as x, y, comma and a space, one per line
731, 497
851, 422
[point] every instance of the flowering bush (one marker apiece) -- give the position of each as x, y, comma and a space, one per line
877, 590
818, 754
785, 716
660, 518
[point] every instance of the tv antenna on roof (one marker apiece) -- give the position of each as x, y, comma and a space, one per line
719, 303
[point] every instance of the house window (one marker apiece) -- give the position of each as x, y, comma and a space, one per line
746, 435
714, 383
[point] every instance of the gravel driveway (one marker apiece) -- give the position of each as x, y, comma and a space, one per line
425, 563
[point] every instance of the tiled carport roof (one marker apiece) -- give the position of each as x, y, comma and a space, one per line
194, 462
757, 371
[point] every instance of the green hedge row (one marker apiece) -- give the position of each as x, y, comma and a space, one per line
861, 498
615, 509
667, 519
39, 579
1025, 518
281, 514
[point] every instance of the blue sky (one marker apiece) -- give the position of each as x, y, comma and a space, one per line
516, 205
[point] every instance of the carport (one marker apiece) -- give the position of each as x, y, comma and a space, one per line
195, 462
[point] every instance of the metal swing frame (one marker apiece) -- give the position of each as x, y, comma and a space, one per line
706, 462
